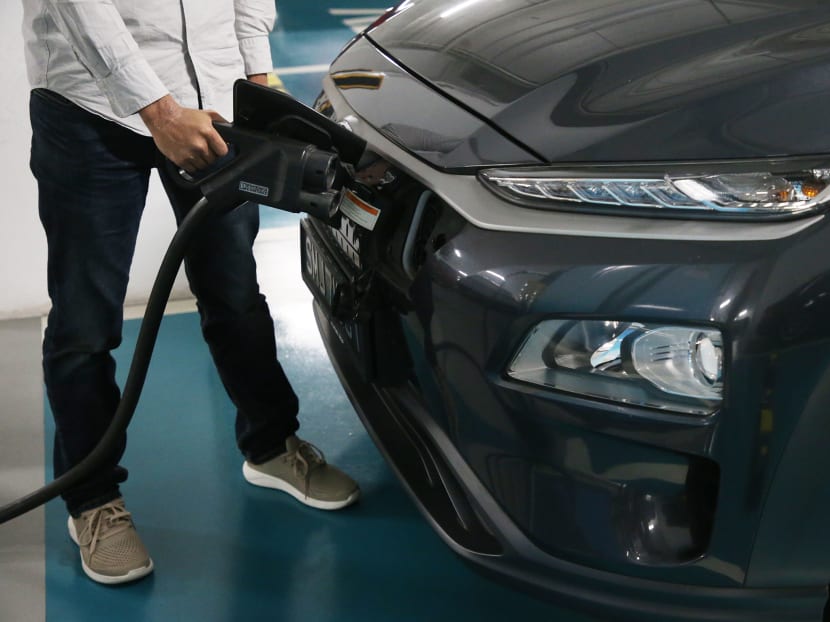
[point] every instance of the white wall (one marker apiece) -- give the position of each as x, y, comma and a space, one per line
22, 242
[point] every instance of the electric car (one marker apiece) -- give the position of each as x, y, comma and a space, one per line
579, 292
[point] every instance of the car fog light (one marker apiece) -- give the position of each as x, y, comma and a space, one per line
679, 361
672, 368
709, 357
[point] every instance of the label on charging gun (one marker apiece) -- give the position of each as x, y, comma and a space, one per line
358, 210
260, 191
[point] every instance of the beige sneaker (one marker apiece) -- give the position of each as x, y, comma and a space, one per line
303, 473
111, 551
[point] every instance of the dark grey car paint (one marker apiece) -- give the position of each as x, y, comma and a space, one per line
603, 80
567, 487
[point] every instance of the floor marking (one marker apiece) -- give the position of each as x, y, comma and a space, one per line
357, 19
174, 307
356, 11
300, 69
359, 24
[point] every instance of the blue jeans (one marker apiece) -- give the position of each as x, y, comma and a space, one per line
92, 179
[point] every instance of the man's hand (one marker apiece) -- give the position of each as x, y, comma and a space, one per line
184, 135
259, 78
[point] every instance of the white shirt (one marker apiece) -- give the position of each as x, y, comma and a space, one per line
113, 57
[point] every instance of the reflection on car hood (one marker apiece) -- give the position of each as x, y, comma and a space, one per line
589, 80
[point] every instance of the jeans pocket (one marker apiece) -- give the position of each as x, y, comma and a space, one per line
53, 98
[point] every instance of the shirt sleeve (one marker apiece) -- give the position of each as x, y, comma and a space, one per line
100, 40
255, 20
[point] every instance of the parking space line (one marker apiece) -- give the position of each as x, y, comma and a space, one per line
301, 69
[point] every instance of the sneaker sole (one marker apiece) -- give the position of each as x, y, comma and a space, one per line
132, 575
267, 481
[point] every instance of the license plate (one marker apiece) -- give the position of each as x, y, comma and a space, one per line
349, 239
321, 272
330, 285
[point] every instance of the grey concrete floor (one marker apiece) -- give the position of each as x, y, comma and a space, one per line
22, 566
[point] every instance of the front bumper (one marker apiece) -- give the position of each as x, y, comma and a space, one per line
472, 523
547, 489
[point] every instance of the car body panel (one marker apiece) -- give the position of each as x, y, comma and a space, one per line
373, 110
521, 563
413, 114
601, 80
507, 439
636, 512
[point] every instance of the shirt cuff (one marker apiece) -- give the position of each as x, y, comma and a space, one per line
256, 52
131, 87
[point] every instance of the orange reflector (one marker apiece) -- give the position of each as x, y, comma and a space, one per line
811, 191
783, 196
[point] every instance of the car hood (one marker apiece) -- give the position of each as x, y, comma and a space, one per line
603, 80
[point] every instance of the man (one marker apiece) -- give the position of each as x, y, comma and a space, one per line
118, 86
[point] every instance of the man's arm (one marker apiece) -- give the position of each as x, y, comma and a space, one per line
103, 44
255, 20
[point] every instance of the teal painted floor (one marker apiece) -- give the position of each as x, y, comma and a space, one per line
226, 551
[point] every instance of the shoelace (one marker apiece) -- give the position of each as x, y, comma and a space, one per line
106, 520
304, 460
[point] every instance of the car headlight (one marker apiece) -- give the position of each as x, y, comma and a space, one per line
673, 368
671, 190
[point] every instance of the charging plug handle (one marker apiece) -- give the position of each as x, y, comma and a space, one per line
273, 170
